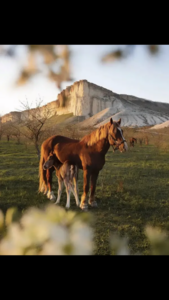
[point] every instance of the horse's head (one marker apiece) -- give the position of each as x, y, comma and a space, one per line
115, 136
51, 161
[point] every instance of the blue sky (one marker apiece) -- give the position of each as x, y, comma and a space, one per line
140, 74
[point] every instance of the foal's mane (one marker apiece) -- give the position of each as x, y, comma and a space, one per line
96, 135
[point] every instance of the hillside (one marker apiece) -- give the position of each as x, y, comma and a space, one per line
89, 105
160, 126
138, 113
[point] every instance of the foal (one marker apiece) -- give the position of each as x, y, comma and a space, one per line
67, 174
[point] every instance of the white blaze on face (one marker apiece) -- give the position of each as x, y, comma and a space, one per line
125, 143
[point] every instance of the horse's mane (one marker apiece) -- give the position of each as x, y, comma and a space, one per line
96, 135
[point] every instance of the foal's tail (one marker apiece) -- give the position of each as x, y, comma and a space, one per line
42, 174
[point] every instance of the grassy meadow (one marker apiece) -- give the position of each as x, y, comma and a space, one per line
132, 189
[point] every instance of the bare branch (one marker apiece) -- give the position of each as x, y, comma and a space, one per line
33, 121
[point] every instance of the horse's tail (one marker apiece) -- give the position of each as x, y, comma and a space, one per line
42, 174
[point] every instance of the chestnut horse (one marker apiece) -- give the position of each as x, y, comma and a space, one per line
88, 154
132, 140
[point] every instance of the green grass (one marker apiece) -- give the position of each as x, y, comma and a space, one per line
132, 191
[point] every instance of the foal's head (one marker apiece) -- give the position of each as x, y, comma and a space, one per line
52, 161
115, 136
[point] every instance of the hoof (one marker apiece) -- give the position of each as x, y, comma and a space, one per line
93, 204
84, 207
57, 203
51, 196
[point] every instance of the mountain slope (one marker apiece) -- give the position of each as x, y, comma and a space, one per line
132, 111
160, 126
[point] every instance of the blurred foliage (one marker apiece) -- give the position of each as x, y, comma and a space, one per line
54, 60
54, 231
48, 231
126, 51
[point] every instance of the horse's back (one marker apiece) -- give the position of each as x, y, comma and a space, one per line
58, 139
49, 144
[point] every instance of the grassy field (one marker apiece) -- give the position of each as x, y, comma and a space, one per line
132, 191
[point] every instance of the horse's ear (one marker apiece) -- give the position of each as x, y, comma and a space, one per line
111, 121
119, 121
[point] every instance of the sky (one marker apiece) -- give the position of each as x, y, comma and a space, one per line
140, 74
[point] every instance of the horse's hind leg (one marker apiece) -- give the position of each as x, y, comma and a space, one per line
92, 202
86, 178
50, 193
60, 188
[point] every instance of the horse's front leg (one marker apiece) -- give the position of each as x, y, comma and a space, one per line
50, 193
92, 202
86, 179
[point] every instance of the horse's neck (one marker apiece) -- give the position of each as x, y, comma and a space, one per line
102, 146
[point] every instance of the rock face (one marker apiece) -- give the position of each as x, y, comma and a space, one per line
12, 116
97, 104
82, 99
50, 109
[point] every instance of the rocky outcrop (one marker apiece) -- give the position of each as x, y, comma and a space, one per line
87, 99
82, 99
49, 109
12, 116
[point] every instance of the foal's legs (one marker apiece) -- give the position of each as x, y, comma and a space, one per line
68, 191
75, 190
92, 200
70, 184
86, 178
60, 188
50, 193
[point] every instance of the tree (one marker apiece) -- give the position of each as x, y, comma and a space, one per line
1, 128
32, 121
16, 132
